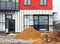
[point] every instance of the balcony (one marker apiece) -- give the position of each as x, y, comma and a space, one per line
9, 5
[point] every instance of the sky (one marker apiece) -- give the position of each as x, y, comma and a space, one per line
56, 8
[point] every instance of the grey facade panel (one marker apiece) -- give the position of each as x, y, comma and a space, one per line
9, 6
2, 5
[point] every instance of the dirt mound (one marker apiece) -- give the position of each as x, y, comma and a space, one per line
28, 34
54, 36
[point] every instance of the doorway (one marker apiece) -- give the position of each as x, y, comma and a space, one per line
9, 23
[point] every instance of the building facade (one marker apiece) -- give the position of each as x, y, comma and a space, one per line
37, 14
18, 15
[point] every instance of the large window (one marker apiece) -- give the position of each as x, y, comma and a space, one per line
39, 22
43, 2
28, 21
27, 2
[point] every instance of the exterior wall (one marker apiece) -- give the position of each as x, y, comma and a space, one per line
19, 19
35, 5
32, 12
2, 21
50, 28
50, 23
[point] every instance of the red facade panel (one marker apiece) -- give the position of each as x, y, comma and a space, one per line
35, 5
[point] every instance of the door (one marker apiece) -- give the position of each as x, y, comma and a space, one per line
41, 22
9, 23
11, 26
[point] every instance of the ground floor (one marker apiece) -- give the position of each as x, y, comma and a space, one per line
17, 21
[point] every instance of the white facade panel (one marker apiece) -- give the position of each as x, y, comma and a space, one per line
50, 28
30, 21
37, 12
2, 21
50, 20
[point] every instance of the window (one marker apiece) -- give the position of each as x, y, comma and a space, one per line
28, 21
7, 18
41, 22
43, 2
26, 2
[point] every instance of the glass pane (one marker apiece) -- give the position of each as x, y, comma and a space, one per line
45, 2
13, 6
36, 17
36, 22
28, 2
41, 2
25, 2
9, 5
43, 20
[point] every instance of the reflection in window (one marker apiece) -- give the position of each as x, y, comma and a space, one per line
43, 20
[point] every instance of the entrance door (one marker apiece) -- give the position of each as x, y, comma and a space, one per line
41, 22
9, 23
11, 26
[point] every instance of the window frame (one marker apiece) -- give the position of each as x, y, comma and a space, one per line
42, 4
35, 26
7, 19
27, 4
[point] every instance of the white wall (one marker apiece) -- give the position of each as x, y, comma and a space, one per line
18, 16
30, 12
2, 21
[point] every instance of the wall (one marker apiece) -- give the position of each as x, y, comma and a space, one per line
35, 5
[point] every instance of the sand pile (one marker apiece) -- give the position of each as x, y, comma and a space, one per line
54, 36
28, 34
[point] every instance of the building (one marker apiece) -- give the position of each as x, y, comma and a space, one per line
8, 14
37, 14
16, 15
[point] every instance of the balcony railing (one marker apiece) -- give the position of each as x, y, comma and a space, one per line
9, 5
